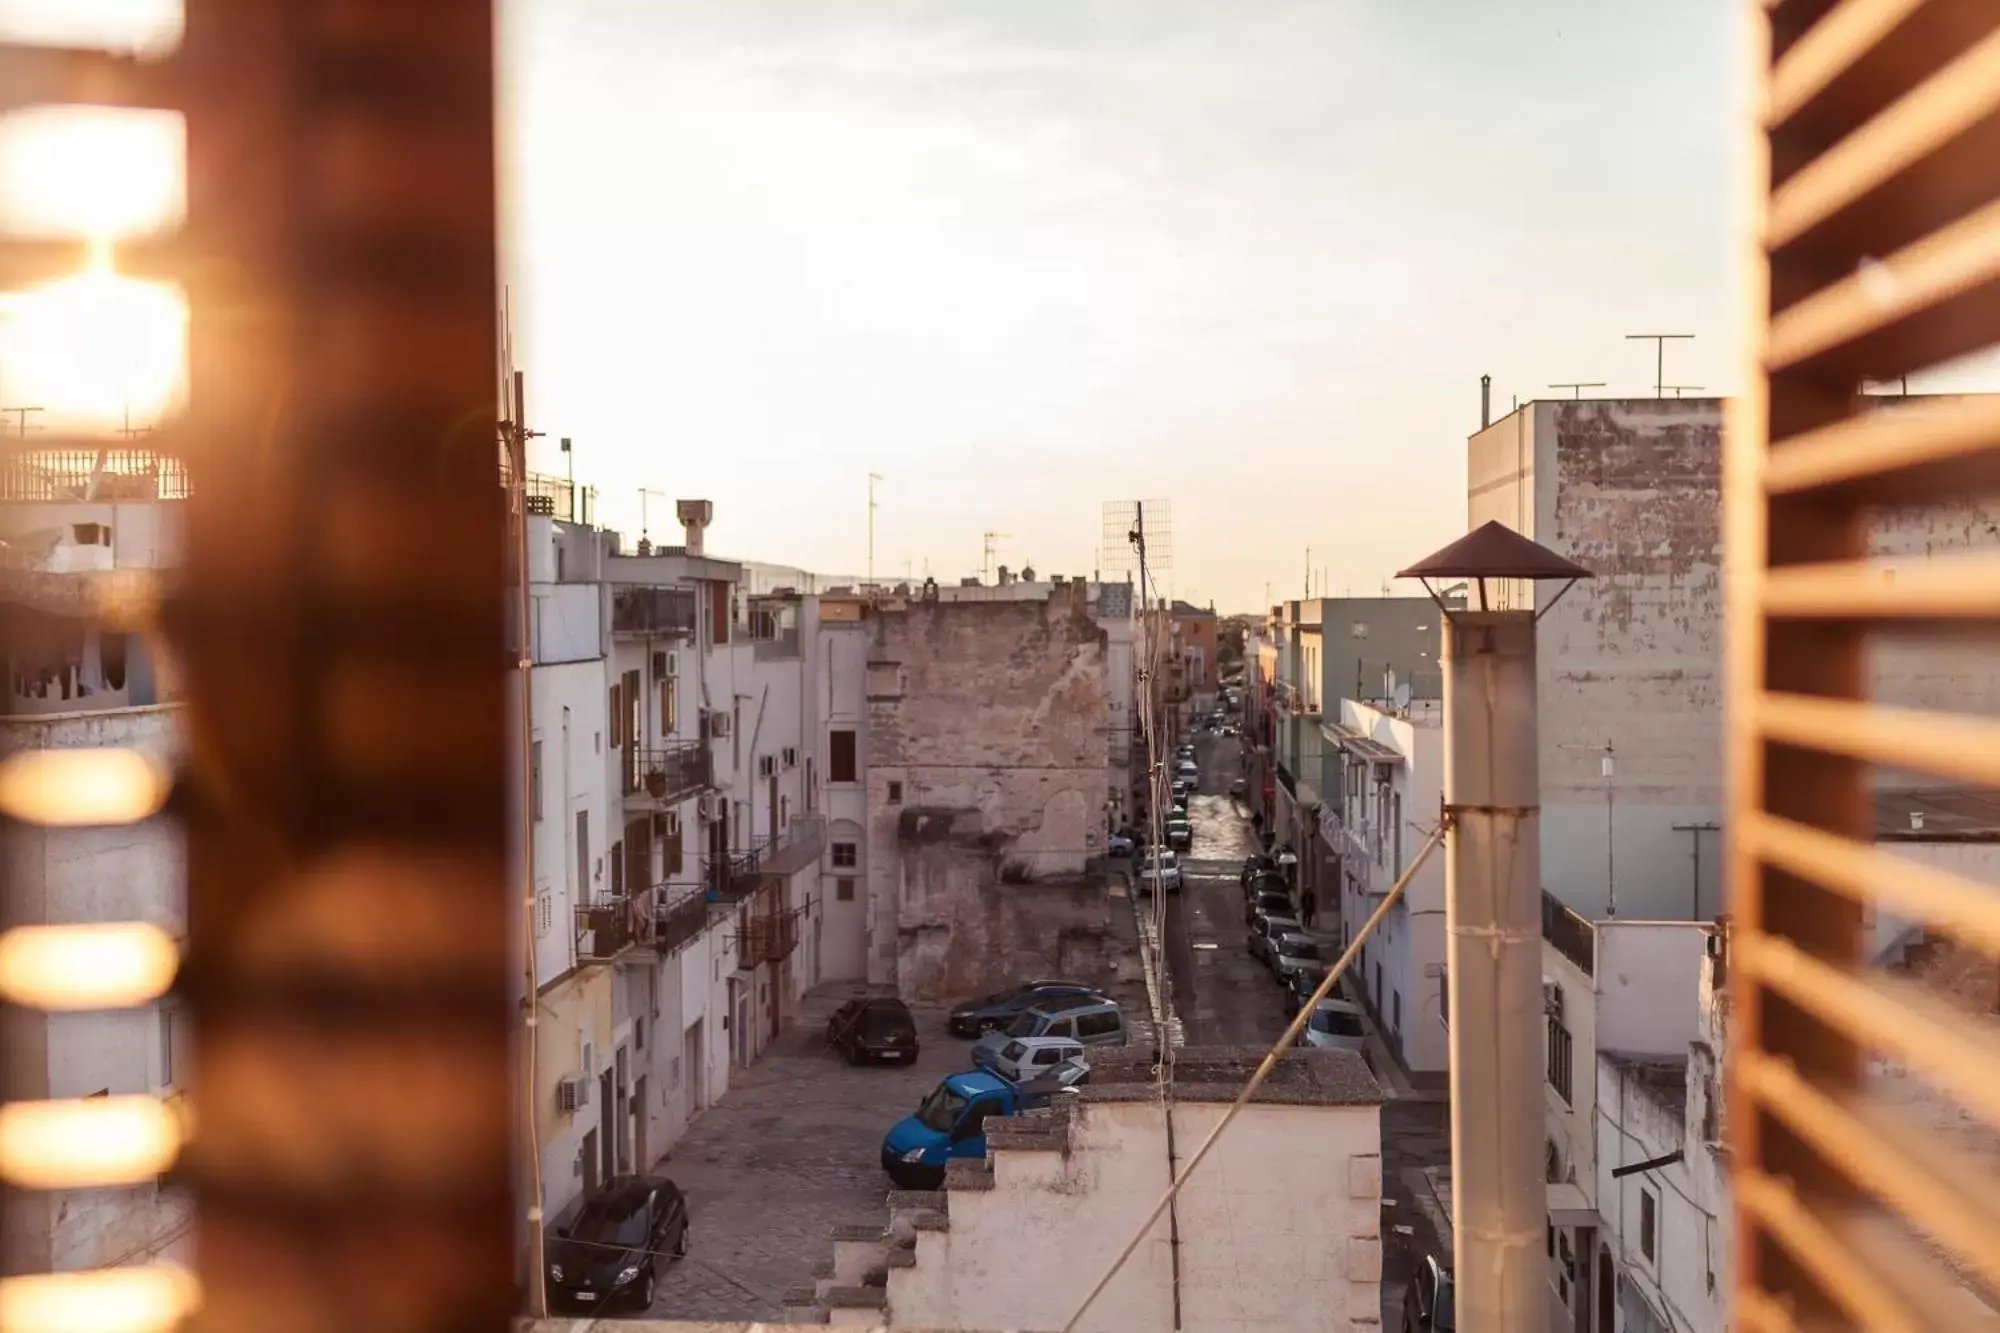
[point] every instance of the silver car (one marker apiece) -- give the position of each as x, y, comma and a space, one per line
1023, 1058
1294, 953
1265, 930
1336, 1023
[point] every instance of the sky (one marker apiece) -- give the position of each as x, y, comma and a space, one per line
1019, 259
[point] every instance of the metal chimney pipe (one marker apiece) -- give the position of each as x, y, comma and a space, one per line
1493, 898
1485, 401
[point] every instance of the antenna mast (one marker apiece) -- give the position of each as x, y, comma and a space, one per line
1577, 387
1659, 341
873, 478
990, 545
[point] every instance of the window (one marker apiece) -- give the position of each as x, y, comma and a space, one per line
173, 1044
895, 793
1559, 1059
1097, 1025
1649, 1221
670, 705
639, 1034
582, 893
842, 760
812, 783
617, 706
1396, 1012
843, 890
846, 855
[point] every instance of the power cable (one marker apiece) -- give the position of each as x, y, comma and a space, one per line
1264, 1068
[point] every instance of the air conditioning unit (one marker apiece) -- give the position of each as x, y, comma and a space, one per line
667, 824
1552, 999
573, 1093
718, 723
711, 806
767, 766
791, 756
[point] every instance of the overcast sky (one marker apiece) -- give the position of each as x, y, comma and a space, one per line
1021, 258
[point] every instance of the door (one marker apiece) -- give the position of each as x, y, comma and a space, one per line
639, 1123
739, 1030
968, 1137
624, 1121
607, 1123
694, 1069
1586, 1238
1607, 1293
771, 809
590, 1176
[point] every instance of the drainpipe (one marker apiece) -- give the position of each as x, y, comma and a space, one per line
1493, 925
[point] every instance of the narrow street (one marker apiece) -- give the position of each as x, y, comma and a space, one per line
1225, 997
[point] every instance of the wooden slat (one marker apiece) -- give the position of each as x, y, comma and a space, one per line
1942, 108
29, 263
1951, 1200
1965, 909
1815, 1241
1927, 303
1757, 1312
1946, 590
1943, 744
35, 75
1905, 452
1895, 1018
1828, 51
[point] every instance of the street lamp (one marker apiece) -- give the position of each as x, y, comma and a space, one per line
1493, 920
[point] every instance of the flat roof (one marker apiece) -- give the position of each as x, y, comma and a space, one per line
1347, 738
1946, 814
1303, 1076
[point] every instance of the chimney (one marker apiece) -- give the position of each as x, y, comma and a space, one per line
1485, 401
695, 516
1006, 577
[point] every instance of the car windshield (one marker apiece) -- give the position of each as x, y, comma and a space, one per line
1337, 1023
887, 1023
1298, 948
1024, 1026
941, 1109
619, 1219
1013, 1050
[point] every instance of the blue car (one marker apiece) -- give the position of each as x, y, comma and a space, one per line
999, 1009
951, 1122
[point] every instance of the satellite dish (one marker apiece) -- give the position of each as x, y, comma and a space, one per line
1402, 696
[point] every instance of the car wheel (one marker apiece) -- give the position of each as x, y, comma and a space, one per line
681, 1242
646, 1292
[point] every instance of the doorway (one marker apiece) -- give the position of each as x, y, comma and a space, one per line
1607, 1294
590, 1180
639, 1124
694, 1068
624, 1154
607, 1123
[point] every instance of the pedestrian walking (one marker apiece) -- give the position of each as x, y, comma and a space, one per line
1307, 905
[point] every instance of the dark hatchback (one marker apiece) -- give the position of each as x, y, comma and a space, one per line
978, 1017
1266, 902
1428, 1306
871, 1030
606, 1249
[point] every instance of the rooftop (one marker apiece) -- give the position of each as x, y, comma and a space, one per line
1938, 814
1304, 1076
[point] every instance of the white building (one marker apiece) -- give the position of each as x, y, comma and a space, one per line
1279, 1230
1386, 802
72, 542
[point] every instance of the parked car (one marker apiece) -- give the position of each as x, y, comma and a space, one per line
873, 1030
1023, 1058
1297, 952
951, 1121
1254, 865
1119, 844
1299, 988
1238, 788
1180, 834
1183, 787
1266, 902
977, 1017
1265, 930
605, 1249
1428, 1306
1090, 1020
1187, 771
1180, 802
1169, 872
1336, 1023
1269, 881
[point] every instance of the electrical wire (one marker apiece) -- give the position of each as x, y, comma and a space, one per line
1264, 1068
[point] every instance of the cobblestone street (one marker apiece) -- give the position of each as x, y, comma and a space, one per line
788, 1154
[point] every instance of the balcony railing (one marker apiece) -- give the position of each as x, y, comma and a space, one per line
653, 612
610, 926
667, 772
680, 914
1573, 937
772, 939
792, 850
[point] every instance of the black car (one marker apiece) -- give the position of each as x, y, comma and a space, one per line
998, 1009
605, 1249
1254, 866
866, 1030
1268, 903
1299, 987
1427, 1306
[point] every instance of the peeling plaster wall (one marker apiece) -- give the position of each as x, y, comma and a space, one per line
1630, 489
995, 718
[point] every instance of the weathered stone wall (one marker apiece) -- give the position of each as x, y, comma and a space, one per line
993, 717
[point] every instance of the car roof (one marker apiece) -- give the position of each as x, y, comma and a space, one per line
1336, 1007
888, 1002
1036, 1043
1298, 935
975, 1081
1072, 1004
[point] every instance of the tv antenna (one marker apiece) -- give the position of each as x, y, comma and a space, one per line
1659, 341
1690, 388
21, 415
645, 532
1576, 387
990, 546
873, 478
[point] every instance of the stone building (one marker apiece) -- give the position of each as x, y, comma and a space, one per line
993, 723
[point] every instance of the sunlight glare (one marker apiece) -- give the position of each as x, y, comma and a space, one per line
91, 171
142, 27
97, 348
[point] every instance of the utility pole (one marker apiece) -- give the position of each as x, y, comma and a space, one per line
1659, 341
873, 478
1578, 386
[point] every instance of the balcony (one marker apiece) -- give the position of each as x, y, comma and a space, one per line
1573, 937
772, 858
661, 775
1359, 838
772, 939
607, 928
680, 914
653, 612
